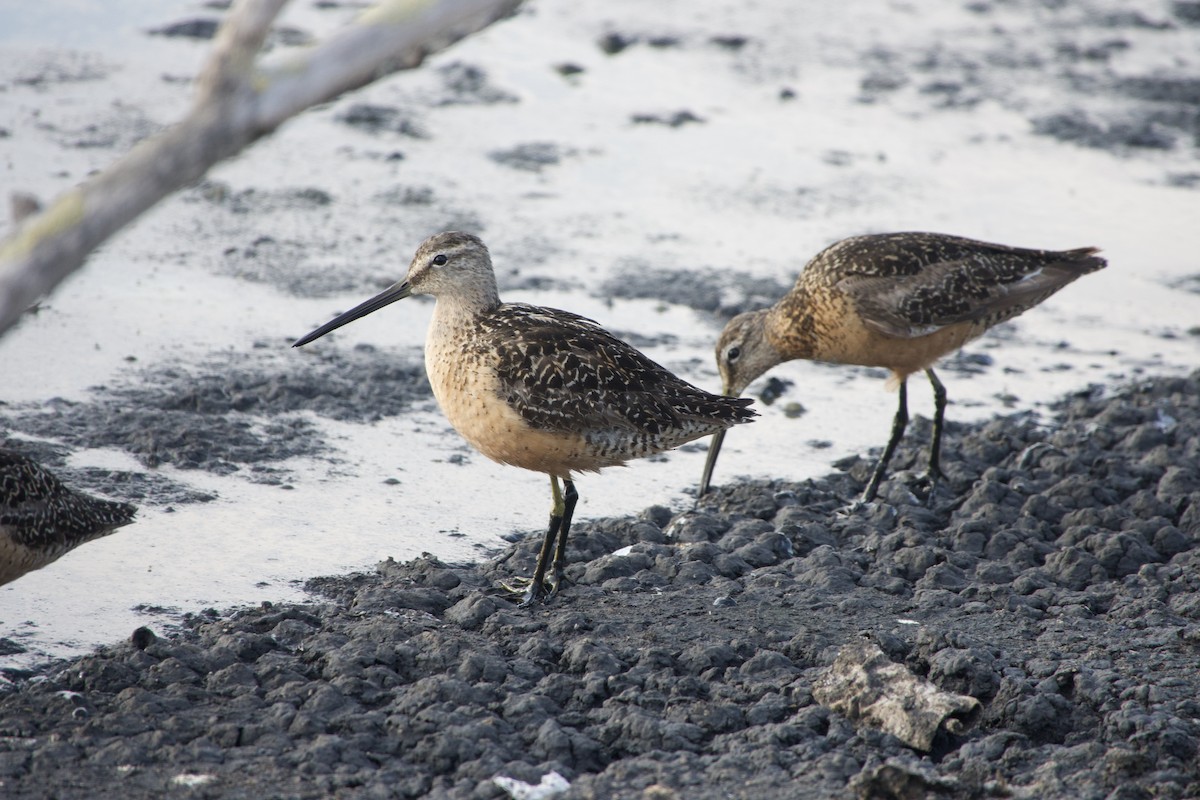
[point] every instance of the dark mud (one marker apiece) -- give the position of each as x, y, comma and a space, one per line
725, 293
1053, 580
280, 237
1109, 93
468, 84
530, 157
135, 487
233, 414
1114, 103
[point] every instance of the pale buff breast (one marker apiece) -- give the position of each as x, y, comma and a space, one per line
469, 394
839, 335
861, 345
926, 350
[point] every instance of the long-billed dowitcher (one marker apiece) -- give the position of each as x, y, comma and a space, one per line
894, 300
540, 388
40, 519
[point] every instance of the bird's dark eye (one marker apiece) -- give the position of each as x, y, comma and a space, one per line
440, 260
733, 354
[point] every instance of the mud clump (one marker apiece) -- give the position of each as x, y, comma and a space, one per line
1151, 109
231, 415
1052, 581
722, 292
530, 157
374, 118
199, 28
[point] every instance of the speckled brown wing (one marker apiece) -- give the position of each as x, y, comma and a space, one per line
910, 285
39, 512
563, 372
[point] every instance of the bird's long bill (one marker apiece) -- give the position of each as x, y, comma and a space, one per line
714, 449
395, 292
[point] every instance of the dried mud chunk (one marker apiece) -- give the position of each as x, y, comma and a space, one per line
1178, 483
612, 566
969, 671
863, 685
198, 28
471, 611
901, 781
1074, 568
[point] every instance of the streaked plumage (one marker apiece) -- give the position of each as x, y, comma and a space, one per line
41, 519
539, 388
894, 300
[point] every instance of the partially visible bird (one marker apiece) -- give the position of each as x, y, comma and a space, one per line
894, 300
540, 388
41, 519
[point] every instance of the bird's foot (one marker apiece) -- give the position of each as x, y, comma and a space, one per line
853, 507
518, 587
926, 487
526, 593
1032, 454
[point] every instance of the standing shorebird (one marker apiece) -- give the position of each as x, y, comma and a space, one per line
895, 300
540, 388
40, 519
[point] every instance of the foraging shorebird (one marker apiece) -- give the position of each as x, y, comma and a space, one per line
540, 388
40, 519
894, 300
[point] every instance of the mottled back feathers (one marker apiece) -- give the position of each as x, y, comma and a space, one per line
911, 284
563, 372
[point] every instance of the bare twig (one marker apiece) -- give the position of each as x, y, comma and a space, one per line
237, 102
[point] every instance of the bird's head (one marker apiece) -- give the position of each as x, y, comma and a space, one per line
743, 352
451, 265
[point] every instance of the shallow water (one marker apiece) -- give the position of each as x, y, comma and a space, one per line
898, 118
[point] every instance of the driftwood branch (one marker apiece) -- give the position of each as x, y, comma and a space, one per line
237, 101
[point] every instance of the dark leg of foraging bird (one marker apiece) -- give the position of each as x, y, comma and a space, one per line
570, 497
556, 533
935, 447
898, 425
537, 586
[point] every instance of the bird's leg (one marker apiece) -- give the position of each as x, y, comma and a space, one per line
898, 425
935, 446
537, 587
570, 497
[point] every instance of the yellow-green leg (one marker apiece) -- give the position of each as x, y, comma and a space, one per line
899, 423
935, 446
553, 554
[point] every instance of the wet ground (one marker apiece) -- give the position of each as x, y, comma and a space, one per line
1053, 579
658, 168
